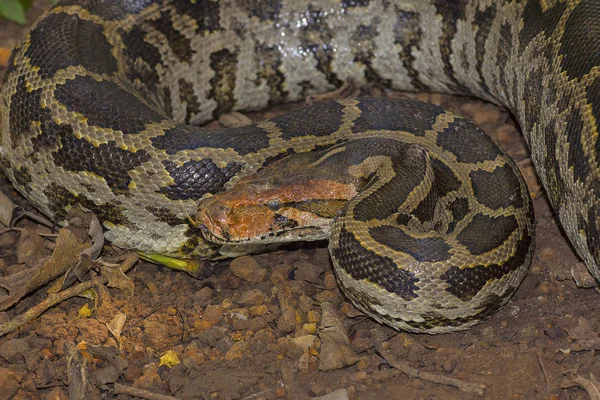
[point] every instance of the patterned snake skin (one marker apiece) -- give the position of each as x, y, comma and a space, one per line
101, 102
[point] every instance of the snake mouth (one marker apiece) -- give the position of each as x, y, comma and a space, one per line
230, 230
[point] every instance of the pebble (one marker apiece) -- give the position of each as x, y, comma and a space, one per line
329, 297
247, 269
449, 365
256, 324
203, 295
310, 327
279, 274
13, 350
212, 314
156, 333
307, 271
555, 333
329, 281
258, 310
149, 380
287, 321
154, 290
316, 389
236, 351
304, 342
253, 297
9, 384
56, 394
305, 303
361, 344
239, 324
313, 316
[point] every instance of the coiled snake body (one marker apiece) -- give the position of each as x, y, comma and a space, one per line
430, 224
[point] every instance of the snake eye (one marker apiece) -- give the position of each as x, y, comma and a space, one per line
274, 204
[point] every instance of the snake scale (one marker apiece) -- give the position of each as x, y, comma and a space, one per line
430, 224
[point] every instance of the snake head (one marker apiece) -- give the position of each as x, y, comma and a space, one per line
272, 210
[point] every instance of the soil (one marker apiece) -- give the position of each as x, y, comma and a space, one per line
233, 335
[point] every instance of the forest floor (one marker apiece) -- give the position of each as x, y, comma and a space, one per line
251, 330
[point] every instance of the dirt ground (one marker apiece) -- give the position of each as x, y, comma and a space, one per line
250, 331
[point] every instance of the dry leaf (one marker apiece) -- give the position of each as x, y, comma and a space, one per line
85, 311
64, 257
335, 344
30, 248
115, 326
583, 330
117, 279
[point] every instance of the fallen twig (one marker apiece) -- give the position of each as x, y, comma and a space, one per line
591, 385
55, 298
475, 389
142, 393
543, 368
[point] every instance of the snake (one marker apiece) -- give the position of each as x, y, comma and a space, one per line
104, 104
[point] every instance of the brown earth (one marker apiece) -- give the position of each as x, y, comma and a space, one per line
232, 336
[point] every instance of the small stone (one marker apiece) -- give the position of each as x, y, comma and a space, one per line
467, 339
227, 304
150, 380
306, 271
253, 297
361, 344
256, 324
305, 303
156, 333
9, 383
544, 287
330, 282
247, 268
555, 333
154, 290
203, 295
359, 376
279, 274
239, 324
56, 394
232, 282
13, 350
196, 355
304, 342
47, 353
363, 364
316, 389
547, 254
234, 352
310, 327
449, 365
212, 314
329, 297
287, 321
258, 310
313, 316
417, 384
